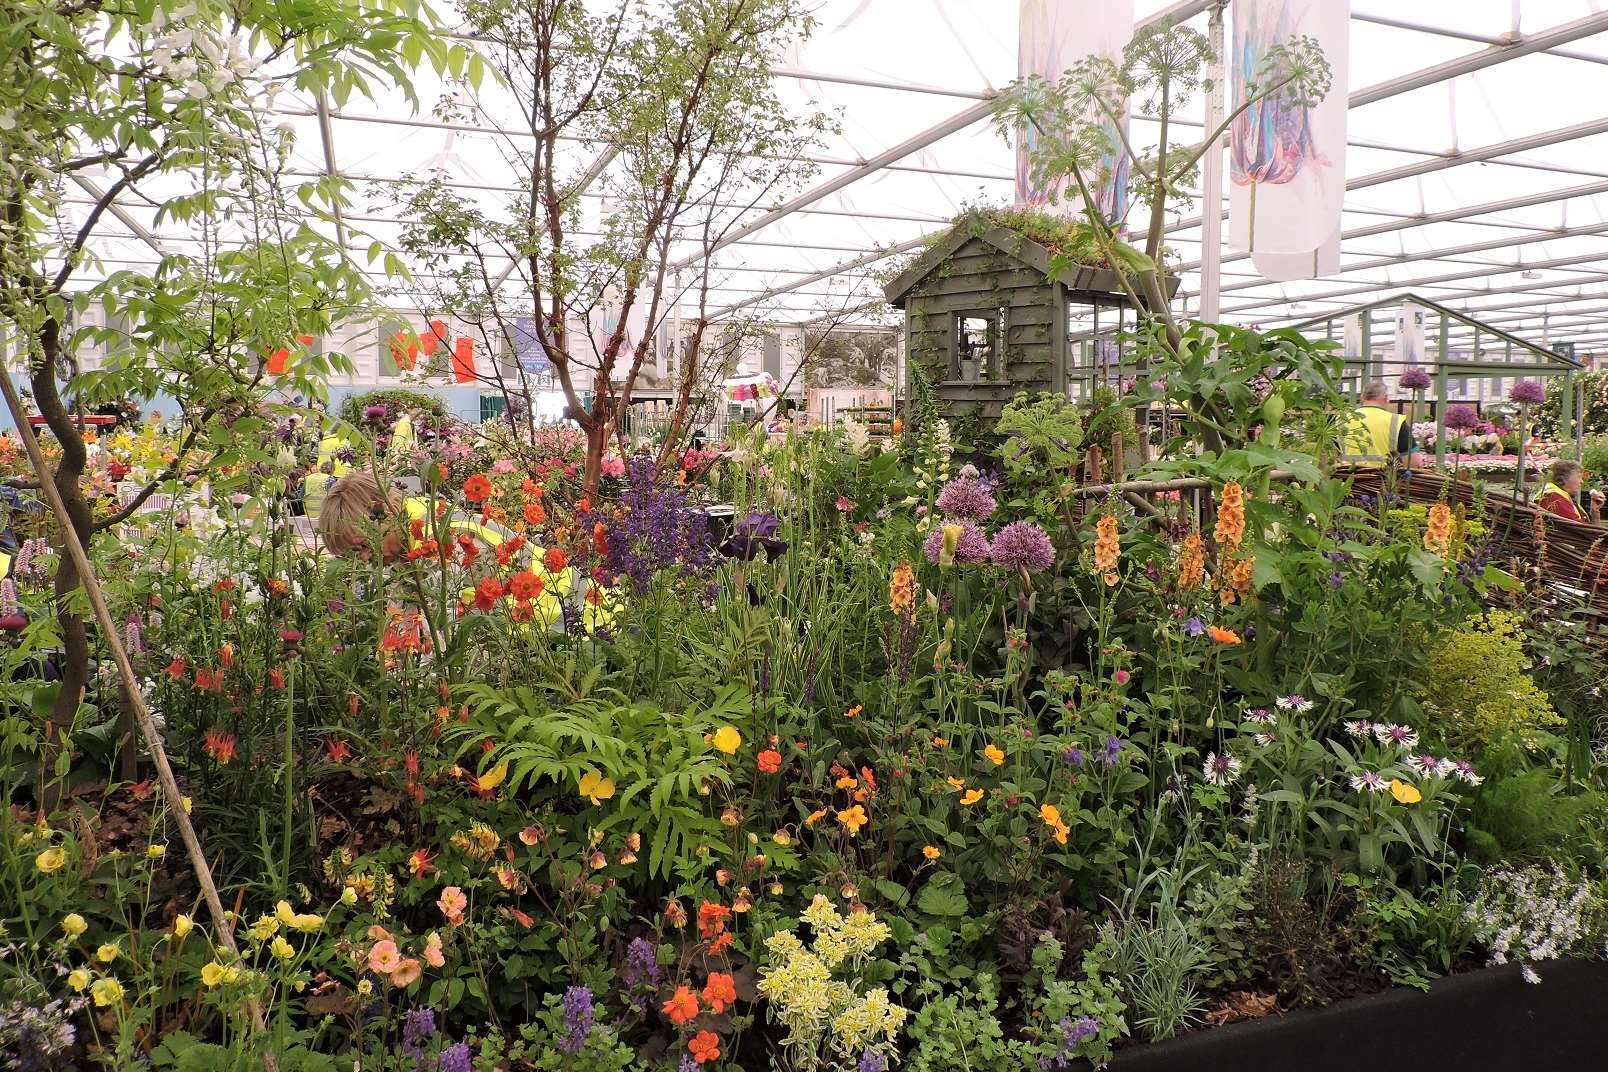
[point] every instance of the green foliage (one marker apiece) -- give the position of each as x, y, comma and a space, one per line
421, 406
1592, 386
1530, 817
1479, 695
1062, 236
1042, 436
1412, 940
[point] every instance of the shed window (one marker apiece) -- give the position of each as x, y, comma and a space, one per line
976, 348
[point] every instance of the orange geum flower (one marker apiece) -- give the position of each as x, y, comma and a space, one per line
851, 819
1221, 635
719, 992
682, 1006
971, 796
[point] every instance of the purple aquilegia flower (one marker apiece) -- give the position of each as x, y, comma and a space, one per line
1195, 627
970, 549
1527, 393
1337, 579
577, 1019
966, 499
1414, 379
1073, 755
455, 1058
1110, 752
1022, 545
417, 1026
1462, 418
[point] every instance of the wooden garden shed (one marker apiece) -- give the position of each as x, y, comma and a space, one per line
985, 319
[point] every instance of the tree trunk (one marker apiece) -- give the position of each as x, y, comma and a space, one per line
74, 667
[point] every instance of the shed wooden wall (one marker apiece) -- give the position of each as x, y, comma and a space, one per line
980, 277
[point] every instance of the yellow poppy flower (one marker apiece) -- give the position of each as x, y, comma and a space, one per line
971, 797
1404, 793
727, 739
107, 992
995, 756
596, 788
852, 819
155, 852
940, 742
931, 852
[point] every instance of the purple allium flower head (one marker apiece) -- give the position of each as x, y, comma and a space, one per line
966, 498
1462, 418
577, 1019
1022, 545
970, 549
1194, 627
375, 413
418, 1025
1527, 393
455, 1058
1414, 379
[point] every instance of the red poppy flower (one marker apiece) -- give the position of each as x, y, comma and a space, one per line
477, 488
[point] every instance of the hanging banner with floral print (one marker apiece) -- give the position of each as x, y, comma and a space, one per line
1287, 162
1055, 36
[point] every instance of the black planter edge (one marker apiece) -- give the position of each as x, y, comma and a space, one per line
1488, 1019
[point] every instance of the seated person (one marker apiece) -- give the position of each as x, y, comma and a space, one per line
1558, 495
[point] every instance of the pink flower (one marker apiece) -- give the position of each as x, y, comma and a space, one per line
613, 465
384, 958
406, 974
1120, 677
452, 903
432, 951
502, 466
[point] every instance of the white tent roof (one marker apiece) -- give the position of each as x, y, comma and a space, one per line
1477, 168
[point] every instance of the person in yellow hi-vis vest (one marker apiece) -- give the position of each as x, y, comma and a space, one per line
1378, 434
356, 504
328, 467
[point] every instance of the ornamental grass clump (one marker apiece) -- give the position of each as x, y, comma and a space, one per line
814, 991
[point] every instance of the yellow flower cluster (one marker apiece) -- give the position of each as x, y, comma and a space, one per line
1107, 549
830, 1025
869, 1024
1438, 534
1052, 819
1230, 530
1191, 562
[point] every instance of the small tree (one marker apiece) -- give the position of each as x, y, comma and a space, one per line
1078, 122
680, 131
167, 104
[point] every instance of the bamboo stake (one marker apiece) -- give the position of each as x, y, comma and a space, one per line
1146, 486
131, 687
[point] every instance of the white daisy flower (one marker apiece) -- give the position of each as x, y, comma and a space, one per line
1464, 771
1262, 739
1429, 766
1295, 702
1261, 716
1360, 727
1400, 736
